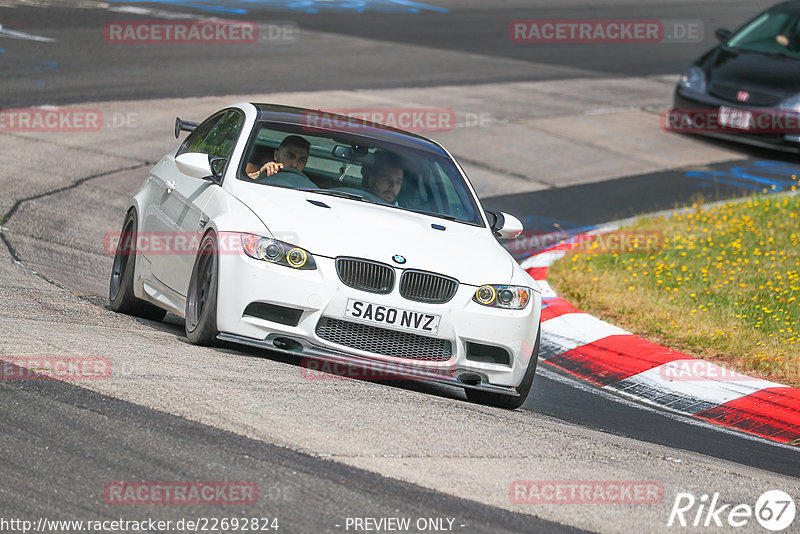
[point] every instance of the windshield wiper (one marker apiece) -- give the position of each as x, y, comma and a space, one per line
435, 214
762, 52
771, 54
333, 193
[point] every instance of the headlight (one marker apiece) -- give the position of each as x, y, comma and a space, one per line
791, 104
694, 80
500, 296
274, 251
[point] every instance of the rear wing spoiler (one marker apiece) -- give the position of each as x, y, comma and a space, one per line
185, 126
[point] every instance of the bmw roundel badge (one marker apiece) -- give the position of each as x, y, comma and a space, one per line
397, 258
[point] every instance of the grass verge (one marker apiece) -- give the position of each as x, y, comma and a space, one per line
721, 283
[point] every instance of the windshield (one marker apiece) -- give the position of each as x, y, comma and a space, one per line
359, 168
776, 32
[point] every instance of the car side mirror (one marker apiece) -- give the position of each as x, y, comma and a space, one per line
202, 166
503, 225
217, 165
722, 34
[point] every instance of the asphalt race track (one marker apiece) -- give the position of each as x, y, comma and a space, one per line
565, 136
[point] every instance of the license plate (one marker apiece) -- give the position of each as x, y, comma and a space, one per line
424, 323
735, 118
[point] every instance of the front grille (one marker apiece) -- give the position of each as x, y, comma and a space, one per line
731, 93
427, 287
384, 341
365, 275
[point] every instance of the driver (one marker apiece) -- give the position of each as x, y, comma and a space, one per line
384, 177
292, 153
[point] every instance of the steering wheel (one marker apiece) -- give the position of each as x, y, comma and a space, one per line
286, 172
290, 170
287, 177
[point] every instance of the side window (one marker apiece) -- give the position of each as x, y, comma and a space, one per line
217, 136
195, 139
222, 138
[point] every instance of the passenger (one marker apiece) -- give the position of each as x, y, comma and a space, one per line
384, 177
292, 153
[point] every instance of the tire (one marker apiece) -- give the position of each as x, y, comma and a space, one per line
201, 300
120, 287
499, 400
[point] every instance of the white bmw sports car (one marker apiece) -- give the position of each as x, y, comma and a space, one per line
336, 240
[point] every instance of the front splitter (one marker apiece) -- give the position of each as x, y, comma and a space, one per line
302, 347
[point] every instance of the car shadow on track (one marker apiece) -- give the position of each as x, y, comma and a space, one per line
173, 324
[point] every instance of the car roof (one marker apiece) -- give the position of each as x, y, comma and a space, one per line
299, 117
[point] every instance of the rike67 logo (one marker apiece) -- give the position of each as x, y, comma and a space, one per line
774, 510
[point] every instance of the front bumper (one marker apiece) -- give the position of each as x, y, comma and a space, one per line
684, 101
320, 294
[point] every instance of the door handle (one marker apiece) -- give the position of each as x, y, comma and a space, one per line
203, 223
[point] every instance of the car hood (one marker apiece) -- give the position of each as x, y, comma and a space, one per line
772, 76
331, 226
